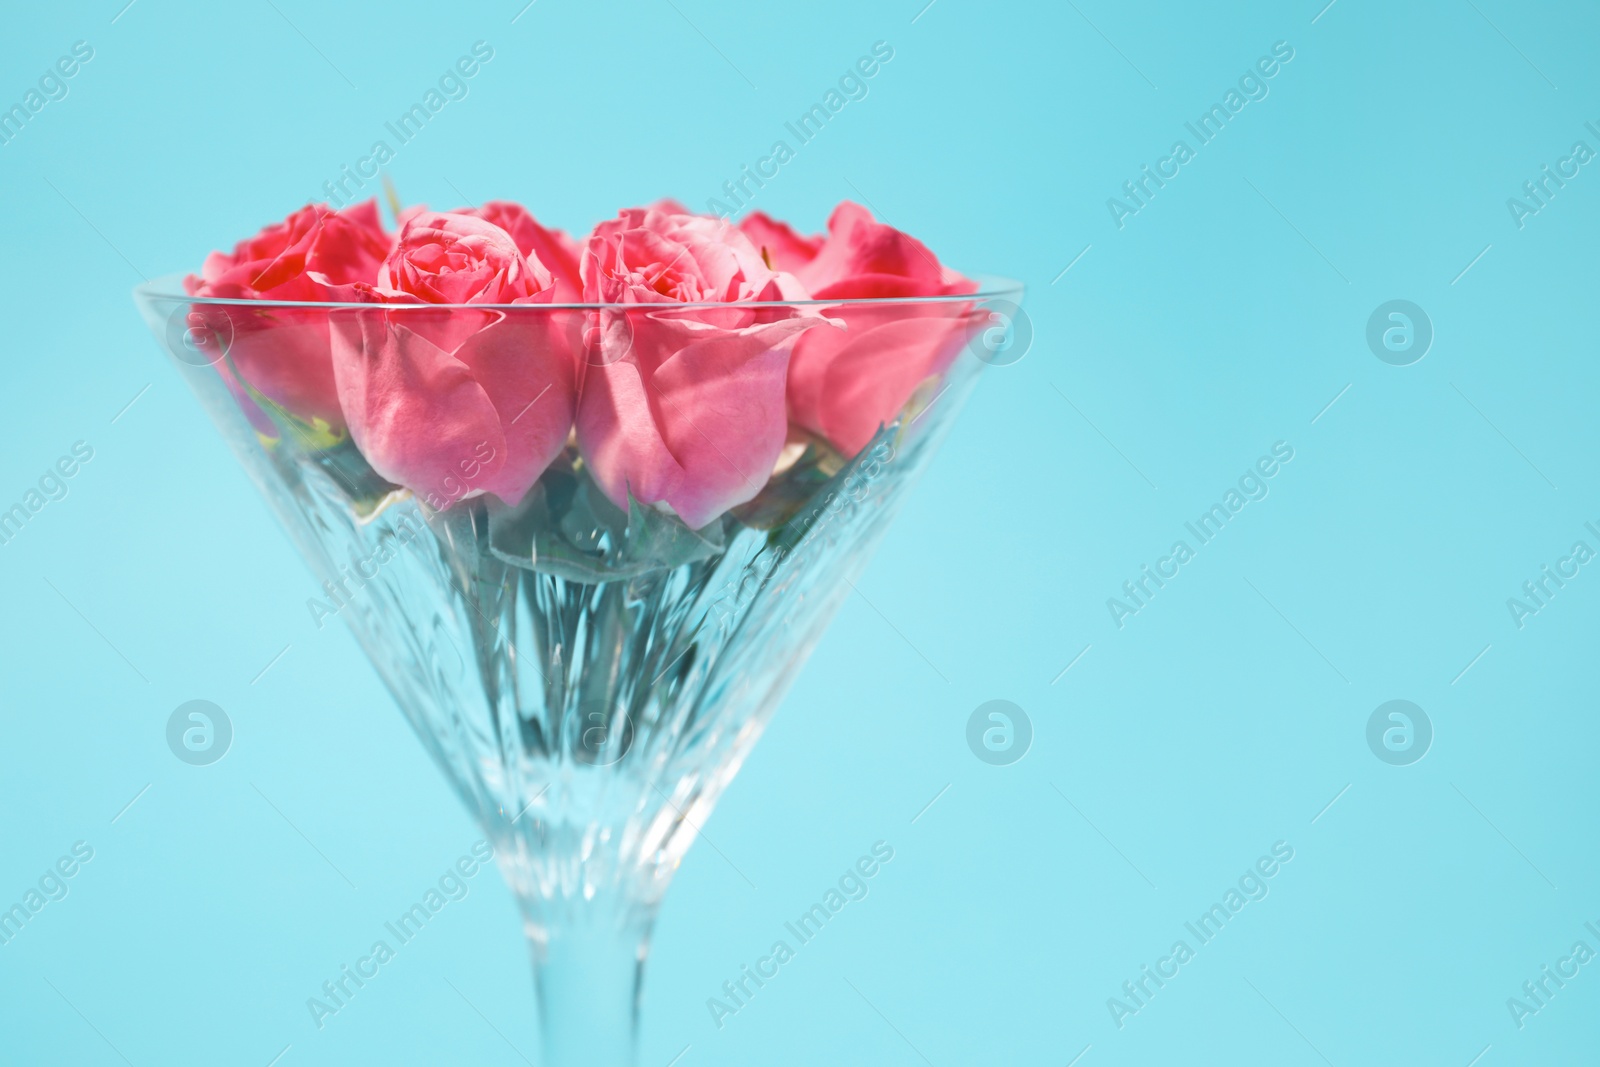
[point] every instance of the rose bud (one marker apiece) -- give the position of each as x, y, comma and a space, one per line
454, 402
684, 406
846, 384
284, 354
558, 252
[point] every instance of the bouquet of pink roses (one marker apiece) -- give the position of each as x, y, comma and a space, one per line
675, 361
586, 505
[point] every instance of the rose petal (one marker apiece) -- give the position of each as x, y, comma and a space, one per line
783, 248
846, 384
487, 417
693, 418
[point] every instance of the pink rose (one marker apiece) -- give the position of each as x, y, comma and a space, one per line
460, 259
313, 255
455, 402
684, 406
554, 249
846, 384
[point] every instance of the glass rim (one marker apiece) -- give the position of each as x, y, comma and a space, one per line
989, 287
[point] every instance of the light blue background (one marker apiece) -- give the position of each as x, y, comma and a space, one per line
1223, 317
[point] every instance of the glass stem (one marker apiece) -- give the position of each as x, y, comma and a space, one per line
588, 967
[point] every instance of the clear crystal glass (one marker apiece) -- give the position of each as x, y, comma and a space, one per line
589, 677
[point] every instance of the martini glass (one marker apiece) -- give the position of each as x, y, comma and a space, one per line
589, 677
